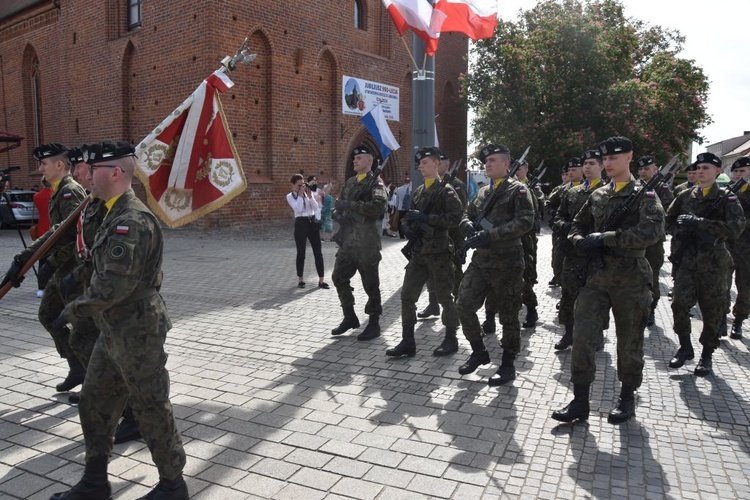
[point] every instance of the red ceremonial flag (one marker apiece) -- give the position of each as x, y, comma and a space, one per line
474, 18
189, 164
420, 17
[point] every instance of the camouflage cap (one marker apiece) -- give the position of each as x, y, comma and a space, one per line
708, 158
49, 150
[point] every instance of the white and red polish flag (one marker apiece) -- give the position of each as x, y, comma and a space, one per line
189, 164
420, 17
474, 18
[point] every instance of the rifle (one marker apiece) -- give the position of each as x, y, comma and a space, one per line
617, 217
346, 218
482, 221
61, 229
423, 228
536, 177
716, 205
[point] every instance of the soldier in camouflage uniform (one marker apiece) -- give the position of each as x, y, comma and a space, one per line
655, 253
618, 276
456, 236
361, 245
497, 264
434, 210
67, 194
674, 243
551, 206
571, 203
703, 220
128, 361
529, 241
740, 251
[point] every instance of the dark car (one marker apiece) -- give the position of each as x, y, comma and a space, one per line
24, 213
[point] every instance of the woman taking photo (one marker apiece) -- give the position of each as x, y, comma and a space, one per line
306, 227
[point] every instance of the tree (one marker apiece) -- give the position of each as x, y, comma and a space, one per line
570, 73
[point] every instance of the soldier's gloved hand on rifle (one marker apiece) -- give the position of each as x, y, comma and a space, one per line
688, 221
480, 239
59, 323
12, 274
342, 204
417, 216
565, 229
592, 245
467, 227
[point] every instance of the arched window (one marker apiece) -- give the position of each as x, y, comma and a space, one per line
359, 15
36, 103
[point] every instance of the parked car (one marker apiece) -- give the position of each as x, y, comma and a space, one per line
22, 205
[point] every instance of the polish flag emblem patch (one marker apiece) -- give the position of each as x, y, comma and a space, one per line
122, 230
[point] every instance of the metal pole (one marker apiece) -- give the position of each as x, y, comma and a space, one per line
422, 106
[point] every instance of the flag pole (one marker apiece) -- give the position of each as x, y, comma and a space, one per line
422, 104
409, 52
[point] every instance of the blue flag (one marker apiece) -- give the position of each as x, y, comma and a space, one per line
375, 123
471, 185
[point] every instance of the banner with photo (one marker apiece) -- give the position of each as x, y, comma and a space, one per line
360, 96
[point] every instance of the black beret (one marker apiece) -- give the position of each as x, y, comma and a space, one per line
106, 151
426, 153
362, 149
573, 162
443, 156
615, 146
592, 154
692, 167
741, 162
708, 158
491, 149
645, 161
75, 155
49, 150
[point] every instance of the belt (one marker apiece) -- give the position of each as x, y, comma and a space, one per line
311, 218
626, 252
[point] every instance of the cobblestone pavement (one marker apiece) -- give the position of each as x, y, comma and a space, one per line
271, 406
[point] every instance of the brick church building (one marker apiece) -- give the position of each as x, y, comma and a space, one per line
77, 71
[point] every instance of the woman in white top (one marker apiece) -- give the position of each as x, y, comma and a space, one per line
306, 227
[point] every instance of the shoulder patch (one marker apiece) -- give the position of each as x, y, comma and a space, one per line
731, 198
67, 196
122, 229
522, 191
117, 252
650, 194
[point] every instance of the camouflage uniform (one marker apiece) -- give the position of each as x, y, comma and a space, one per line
655, 252
674, 243
740, 250
360, 250
66, 198
553, 203
128, 363
622, 282
432, 255
703, 266
499, 268
529, 242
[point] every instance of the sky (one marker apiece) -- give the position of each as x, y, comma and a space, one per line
717, 39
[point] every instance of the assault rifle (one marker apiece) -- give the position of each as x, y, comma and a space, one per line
716, 205
471, 229
423, 228
536, 177
348, 217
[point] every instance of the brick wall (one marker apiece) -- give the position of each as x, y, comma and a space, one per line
99, 80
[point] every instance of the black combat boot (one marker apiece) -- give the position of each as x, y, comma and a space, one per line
723, 326
566, 340
578, 409
75, 376
488, 327
169, 489
372, 329
74, 398
737, 327
531, 317
651, 321
407, 347
449, 344
705, 365
684, 353
127, 429
506, 372
432, 309
94, 484
625, 408
350, 321
479, 356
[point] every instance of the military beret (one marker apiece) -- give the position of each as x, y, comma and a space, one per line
426, 153
592, 154
708, 158
362, 149
645, 161
49, 150
692, 167
75, 155
615, 146
106, 151
741, 162
573, 162
443, 156
491, 149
